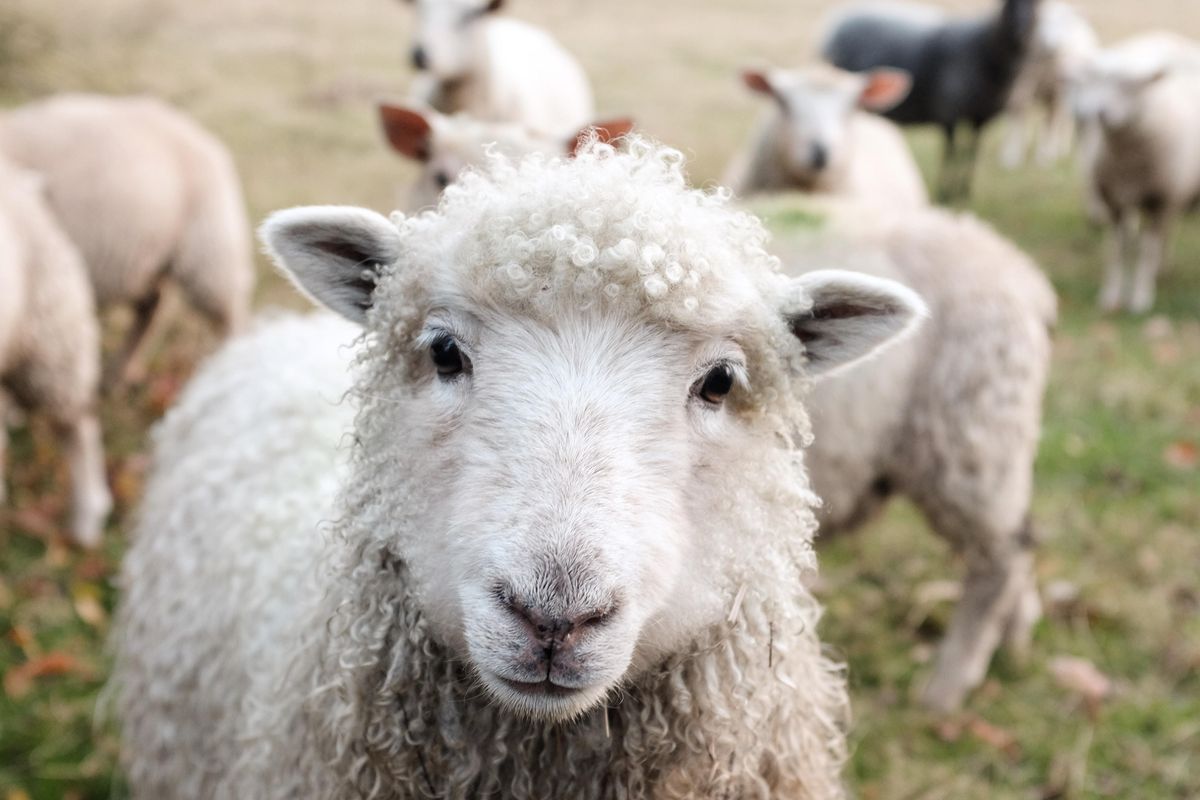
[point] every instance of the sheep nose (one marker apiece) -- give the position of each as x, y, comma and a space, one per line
419, 59
559, 631
820, 156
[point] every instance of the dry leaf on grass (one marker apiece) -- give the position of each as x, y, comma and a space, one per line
86, 599
1182, 455
1082, 677
953, 728
19, 680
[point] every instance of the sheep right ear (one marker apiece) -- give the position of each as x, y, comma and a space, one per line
409, 132
884, 89
759, 82
845, 316
333, 254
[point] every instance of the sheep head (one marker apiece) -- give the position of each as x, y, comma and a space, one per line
444, 40
816, 105
581, 383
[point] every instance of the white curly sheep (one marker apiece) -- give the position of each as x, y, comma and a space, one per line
50, 343
473, 59
820, 137
445, 145
567, 538
147, 196
950, 418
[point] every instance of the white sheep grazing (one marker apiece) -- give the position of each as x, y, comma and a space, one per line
819, 139
950, 418
1039, 107
1142, 98
496, 69
444, 145
567, 549
50, 343
147, 196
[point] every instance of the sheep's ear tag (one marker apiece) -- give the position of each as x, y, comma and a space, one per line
852, 316
407, 131
333, 254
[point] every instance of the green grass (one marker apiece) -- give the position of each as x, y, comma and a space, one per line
290, 86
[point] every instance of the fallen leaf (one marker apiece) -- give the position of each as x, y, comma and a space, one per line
995, 737
1082, 677
1182, 455
19, 680
86, 599
16, 794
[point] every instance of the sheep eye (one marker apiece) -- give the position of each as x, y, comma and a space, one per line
441, 179
447, 358
715, 385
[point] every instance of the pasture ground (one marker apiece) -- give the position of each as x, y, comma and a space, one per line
290, 87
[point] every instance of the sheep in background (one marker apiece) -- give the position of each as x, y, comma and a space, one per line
496, 69
573, 535
1142, 98
444, 146
1039, 107
147, 196
962, 69
50, 343
950, 418
817, 139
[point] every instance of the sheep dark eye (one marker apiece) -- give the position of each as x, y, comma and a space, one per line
715, 385
447, 358
441, 179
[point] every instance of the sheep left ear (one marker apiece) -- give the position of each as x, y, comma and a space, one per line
605, 132
884, 89
333, 254
851, 316
493, 6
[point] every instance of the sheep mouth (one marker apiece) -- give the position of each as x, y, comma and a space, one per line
543, 688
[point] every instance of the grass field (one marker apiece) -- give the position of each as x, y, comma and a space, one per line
289, 84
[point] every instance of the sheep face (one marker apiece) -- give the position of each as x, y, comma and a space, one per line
1111, 92
571, 464
444, 42
816, 107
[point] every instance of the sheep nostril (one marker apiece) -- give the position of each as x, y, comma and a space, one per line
420, 61
820, 156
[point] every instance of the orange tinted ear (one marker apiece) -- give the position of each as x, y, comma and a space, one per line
407, 131
607, 132
885, 89
757, 82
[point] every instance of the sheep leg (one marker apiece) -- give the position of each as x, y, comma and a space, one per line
3, 447
1060, 127
992, 590
130, 365
90, 498
1120, 241
1156, 229
1016, 139
949, 160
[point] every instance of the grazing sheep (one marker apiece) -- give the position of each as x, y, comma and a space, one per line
496, 69
446, 145
567, 550
147, 196
50, 342
1142, 98
816, 138
950, 418
1039, 107
962, 69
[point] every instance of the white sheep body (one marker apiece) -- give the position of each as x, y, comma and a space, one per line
516, 73
145, 194
1142, 99
331, 665
950, 418
50, 341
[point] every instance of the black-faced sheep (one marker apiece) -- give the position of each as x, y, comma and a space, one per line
962, 69
570, 536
